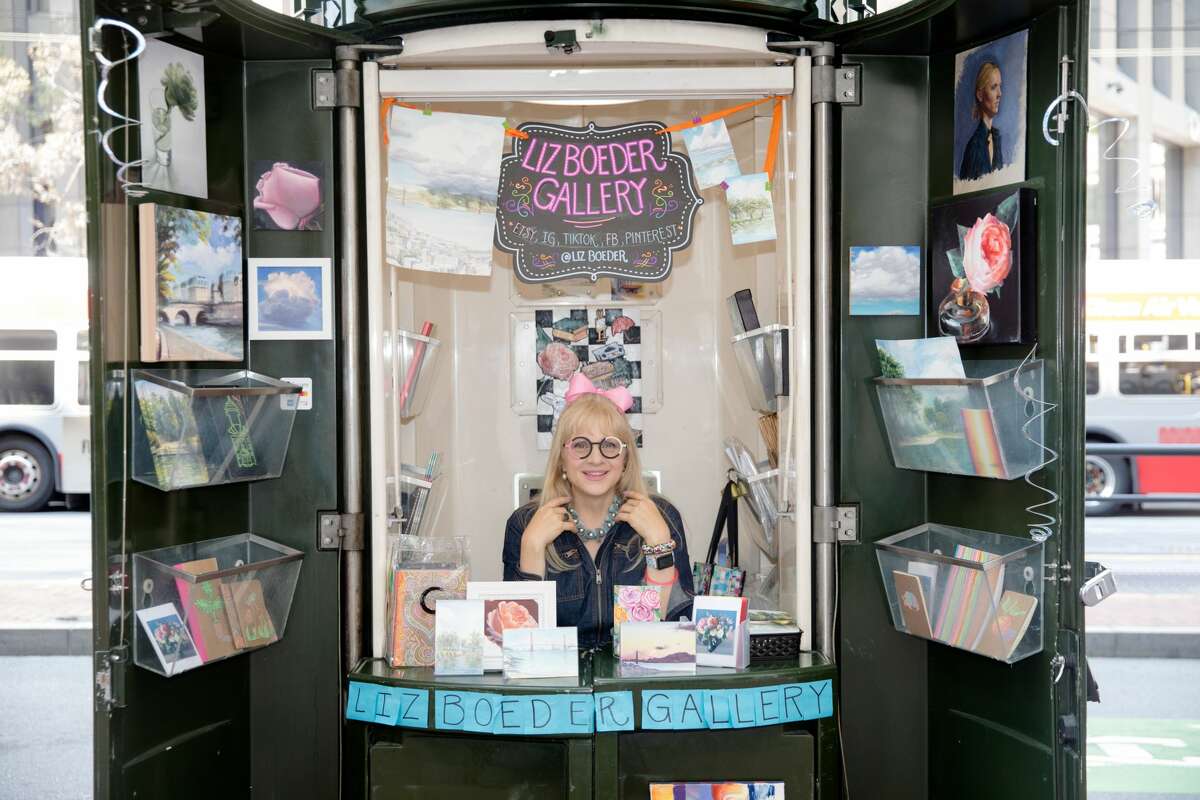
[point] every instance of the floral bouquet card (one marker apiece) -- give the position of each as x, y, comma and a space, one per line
722, 631
169, 638
634, 604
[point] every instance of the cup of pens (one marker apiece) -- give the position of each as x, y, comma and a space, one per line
416, 363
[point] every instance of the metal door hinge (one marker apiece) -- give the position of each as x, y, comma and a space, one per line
834, 524
110, 678
841, 85
339, 531
336, 88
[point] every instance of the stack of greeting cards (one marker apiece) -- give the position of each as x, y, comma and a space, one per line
722, 631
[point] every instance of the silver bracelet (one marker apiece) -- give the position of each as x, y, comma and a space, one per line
658, 549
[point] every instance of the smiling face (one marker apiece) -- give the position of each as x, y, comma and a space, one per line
595, 475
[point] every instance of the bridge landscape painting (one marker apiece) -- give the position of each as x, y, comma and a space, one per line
192, 306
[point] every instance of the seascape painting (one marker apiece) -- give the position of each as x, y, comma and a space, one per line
443, 175
989, 114
885, 281
654, 647
541, 653
172, 111
191, 274
711, 151
458, 637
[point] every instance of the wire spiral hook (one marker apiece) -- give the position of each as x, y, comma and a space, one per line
131, 188
1035, 410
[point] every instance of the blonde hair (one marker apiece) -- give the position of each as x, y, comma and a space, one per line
981, 81
587, 411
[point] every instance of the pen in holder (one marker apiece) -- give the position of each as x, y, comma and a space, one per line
416, 363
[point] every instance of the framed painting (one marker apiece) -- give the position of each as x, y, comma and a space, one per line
508, 605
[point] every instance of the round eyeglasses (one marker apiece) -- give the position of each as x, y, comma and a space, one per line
610, 447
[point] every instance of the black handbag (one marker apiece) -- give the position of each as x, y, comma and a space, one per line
709, 577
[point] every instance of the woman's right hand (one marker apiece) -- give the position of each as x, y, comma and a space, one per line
547, 523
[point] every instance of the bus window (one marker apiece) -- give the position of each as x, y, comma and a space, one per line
1093, 343
1093, 378
28, 340
1120, 344
1160, 377
1158, 343
81, 340
85, 386
26, 383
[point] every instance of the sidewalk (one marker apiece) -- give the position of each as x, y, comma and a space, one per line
1145, 626
45, 618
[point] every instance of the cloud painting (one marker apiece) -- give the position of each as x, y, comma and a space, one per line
885, 281
711, 153
291, 298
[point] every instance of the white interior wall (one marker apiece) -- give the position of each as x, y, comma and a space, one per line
468, 417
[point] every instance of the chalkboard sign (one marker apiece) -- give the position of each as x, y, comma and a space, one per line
595, 202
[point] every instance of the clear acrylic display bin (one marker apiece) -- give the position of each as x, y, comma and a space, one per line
967, 426
211, 600
416, 361
762, 358
210, 427
969, 589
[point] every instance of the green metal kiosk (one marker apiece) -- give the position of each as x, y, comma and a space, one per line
302, 439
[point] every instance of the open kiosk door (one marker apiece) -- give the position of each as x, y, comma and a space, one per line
925, 719
917, 719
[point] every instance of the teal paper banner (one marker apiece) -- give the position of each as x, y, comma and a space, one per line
599, 712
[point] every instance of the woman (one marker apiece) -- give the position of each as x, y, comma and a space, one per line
594, 526
983, 151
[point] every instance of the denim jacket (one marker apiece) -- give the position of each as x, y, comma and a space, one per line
585, 593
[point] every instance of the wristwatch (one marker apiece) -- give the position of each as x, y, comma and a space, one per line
663, 561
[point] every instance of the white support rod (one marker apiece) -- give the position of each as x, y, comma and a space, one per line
585, 84
801, 348
373, 201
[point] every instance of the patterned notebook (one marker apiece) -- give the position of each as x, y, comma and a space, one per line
411, 624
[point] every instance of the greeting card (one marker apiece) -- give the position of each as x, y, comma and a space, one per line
722, 631
458, 642
634, 604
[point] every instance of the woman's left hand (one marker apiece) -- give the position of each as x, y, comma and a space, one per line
642, 514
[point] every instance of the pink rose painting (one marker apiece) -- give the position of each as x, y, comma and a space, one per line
288, 195
981, 267
500, 615
634, 604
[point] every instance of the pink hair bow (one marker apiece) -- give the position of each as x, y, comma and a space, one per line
580, 385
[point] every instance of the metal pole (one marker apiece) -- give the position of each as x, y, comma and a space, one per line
825, 322
352, 504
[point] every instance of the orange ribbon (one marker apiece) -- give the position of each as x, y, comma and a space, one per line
714, 116
773, 141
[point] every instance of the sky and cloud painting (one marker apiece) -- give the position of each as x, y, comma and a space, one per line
711, 152
885, 281
289, 299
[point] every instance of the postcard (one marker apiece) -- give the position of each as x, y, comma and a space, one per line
1013, 615
458, 637
653, 647
443, 177
751, 210
711, 153
725, 790
885, 281
291, 298
204, 608
541, 653
172, 435
254, 618
634, 604
169, 638
913, 608
920, 358
722, 631
512, 604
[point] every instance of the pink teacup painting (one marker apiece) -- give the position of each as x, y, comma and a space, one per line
288, 195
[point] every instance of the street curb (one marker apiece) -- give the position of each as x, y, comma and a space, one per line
1143, 642
45, 641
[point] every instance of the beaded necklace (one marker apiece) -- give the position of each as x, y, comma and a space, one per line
595, 534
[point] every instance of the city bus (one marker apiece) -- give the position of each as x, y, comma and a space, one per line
44, 395
1143, 376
